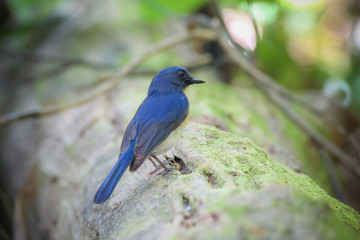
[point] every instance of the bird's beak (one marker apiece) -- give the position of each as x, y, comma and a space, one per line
196, 81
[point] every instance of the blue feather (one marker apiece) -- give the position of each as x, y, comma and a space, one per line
115, 174
162, 111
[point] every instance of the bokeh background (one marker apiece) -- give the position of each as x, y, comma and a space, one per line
304, 45
52, 52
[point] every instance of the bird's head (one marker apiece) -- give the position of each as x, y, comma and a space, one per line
172, 79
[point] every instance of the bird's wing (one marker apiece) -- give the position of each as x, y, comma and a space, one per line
129, 135
149, 137
157, 119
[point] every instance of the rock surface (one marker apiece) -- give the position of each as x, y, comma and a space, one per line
234, 191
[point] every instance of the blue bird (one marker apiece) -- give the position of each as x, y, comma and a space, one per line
156, 127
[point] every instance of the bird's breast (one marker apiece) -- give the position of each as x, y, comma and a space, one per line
171, 140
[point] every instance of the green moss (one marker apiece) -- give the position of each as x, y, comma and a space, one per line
248, 113
254, 165
232, 109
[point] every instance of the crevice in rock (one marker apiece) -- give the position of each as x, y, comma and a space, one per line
183, 167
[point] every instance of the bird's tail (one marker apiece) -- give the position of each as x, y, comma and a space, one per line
107, 187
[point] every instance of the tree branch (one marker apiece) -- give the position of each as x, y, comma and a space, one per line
113, 80
267, 85
65, 61
267, 80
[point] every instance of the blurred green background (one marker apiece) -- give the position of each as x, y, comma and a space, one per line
304, 45
53, 51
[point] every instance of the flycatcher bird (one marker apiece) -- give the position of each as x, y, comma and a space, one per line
156, 127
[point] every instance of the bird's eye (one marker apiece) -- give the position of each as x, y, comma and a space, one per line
181, 74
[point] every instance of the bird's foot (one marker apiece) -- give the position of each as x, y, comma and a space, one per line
157, 168
168, 161
160, 162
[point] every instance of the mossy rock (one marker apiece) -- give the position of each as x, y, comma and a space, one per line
232, 190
